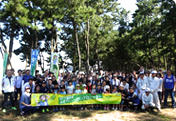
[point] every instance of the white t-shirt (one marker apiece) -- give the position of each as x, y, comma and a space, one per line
126, 87
70, 89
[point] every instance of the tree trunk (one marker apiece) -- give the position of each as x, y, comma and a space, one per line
87, 47
11, 45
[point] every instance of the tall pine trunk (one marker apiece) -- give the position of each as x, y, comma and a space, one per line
87, 47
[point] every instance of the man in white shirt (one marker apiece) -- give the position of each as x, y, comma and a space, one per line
147, 99
153, 84
30, 84
141, 85
125, 85
8, 84
18, 84
115, 82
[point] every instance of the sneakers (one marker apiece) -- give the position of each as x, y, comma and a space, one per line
43, 110
47, 110
112, 108
104, 108
116, 108
13, 108
63, 108
4, 110
54, 110
60, 109
107, 108
96, 108
22, 113
121, 109
81, 108
57, 110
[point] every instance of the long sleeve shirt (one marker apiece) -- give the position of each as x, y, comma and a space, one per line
8, 84
147, 99
18, 81
141, 84
153, 84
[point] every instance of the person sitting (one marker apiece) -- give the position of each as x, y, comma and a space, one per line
147, 100
25, 104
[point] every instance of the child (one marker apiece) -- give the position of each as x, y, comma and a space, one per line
44, 89
125, 85
93, 92
63, 93
55, 90
123, 95
84, 91
77, 91
147, 100
70, 88
89, 87
107, 105
132, 98
100, 91
115, 106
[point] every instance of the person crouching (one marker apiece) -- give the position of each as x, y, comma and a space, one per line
25, 104
147, 100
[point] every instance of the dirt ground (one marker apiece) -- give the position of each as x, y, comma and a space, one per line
168, 114
87, 115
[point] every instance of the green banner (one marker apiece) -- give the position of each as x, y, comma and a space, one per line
54, 64
5, 63
74, 99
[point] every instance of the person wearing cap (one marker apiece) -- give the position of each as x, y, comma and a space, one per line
18, 84
25, 105
84, 89
39, 81
8, 85
169, 84
30, 84
26, 77
141, 85
115, 82
78, 91
44, 89
153, 84
147, 100
132, 99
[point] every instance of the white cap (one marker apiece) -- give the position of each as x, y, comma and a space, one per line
84, 85
153, 72
141, 73
121, 85
147, 90
114, 75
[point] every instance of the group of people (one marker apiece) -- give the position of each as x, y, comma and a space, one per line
144, 90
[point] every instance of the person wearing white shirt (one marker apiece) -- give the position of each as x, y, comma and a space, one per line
147, 99
153, 84
115, 82
30, 84
8, 84
125, 85
141, 85
18, 84
160, 87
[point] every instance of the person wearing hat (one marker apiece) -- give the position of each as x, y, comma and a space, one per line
25, 105
115, 82
78, 91
44, 89
18, 84
141, 85
39, 81
30, 84
147, 100
84, 89
132, 99
169, 84
153, 84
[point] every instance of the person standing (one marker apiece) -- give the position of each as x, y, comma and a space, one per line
8, 84
30, 84
18, 84
153, 84
169, 83
141, 85
27, 76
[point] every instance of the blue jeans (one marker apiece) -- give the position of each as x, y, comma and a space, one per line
166, 93
28, 109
